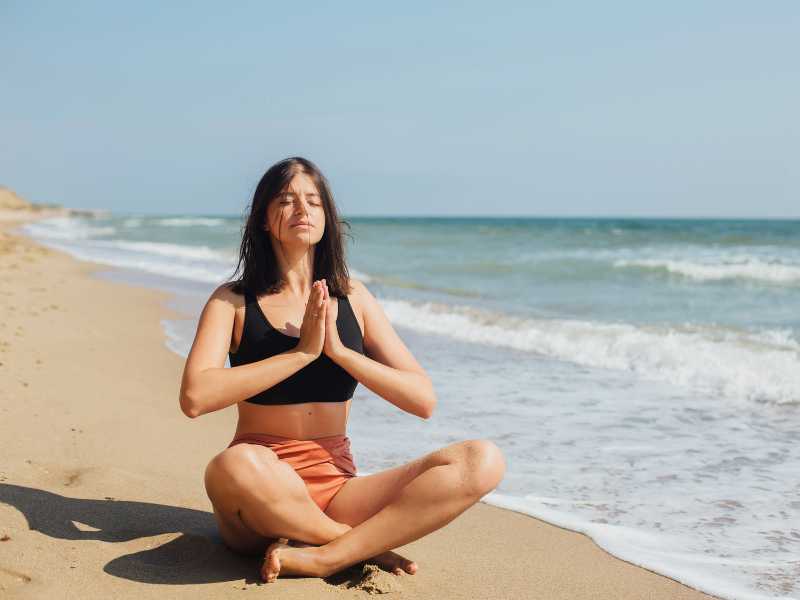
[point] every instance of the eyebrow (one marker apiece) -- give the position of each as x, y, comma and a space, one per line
293, 194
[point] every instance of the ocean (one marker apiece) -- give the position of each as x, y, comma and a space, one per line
642, 376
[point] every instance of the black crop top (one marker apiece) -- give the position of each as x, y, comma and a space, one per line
322, 380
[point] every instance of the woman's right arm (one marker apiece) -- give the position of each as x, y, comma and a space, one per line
206, 385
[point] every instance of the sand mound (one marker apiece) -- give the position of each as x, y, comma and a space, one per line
374, 580
10, 201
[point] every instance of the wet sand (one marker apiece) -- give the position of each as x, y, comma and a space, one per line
101, 490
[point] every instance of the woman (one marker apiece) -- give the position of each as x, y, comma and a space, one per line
288, 473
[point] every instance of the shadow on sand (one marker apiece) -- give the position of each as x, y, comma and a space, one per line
197, 555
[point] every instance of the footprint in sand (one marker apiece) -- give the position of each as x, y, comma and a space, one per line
73, 478
11, 578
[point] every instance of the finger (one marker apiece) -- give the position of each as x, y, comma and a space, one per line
314, 290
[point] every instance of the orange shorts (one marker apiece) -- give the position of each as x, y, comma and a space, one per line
324, 464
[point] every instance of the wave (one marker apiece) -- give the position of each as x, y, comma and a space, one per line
761, 366
198, 271
66, 228
168, 250
746, 268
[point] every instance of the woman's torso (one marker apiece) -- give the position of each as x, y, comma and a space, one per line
306, 420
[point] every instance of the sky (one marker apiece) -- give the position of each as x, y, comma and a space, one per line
672, 109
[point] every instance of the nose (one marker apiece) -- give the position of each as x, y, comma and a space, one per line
301, 206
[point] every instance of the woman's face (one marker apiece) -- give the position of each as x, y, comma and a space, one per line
296, 215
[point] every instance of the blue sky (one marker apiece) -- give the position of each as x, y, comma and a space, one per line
590, 109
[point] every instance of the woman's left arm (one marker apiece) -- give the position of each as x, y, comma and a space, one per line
387, 368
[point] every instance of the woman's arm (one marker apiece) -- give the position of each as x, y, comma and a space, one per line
207, 385
388, 368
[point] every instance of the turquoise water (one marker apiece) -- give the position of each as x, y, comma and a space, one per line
641, 376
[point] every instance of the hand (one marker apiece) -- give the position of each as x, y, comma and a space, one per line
333, 346
312, 330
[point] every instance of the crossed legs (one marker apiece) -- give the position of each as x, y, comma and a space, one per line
258, 498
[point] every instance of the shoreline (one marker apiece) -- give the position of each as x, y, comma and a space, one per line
98, 511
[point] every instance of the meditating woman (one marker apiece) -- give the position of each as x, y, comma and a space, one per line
301, 334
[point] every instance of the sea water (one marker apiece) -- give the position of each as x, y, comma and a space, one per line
642, 377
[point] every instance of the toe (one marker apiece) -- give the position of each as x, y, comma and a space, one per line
272, 565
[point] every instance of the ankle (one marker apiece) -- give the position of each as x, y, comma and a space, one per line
323, 562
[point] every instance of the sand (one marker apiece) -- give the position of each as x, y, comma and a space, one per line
101, 490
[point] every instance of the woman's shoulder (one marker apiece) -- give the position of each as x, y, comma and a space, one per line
356, 285
359, 292
229, 292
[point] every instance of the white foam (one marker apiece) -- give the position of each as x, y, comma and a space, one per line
66, 228
760, 366
731, 268
169, 266
193, 252
178, 338
663, 553
199, 263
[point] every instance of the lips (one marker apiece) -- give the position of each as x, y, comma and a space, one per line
302, 225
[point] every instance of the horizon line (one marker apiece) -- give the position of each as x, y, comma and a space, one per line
475, 216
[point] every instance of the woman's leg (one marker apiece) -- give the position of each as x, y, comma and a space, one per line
239, 515
449, 481
258, 498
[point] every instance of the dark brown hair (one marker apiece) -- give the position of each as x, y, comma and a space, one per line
260, 270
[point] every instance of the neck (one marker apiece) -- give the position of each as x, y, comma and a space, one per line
297, 266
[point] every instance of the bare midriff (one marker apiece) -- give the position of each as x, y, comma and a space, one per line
304, 421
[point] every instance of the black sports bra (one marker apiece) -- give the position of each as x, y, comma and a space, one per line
322, 380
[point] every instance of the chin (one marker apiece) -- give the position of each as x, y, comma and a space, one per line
303, 235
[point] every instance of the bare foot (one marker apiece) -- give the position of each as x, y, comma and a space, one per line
394, 563
388, 561
288, 560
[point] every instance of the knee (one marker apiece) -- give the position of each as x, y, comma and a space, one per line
241, 469
483, 466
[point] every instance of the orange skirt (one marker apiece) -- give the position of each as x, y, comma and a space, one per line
324, 464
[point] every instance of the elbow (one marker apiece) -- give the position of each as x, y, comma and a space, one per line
189, 409
190, 412
189, 405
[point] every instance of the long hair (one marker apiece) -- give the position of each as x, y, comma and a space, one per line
257, 261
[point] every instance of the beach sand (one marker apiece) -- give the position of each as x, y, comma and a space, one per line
101, 475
